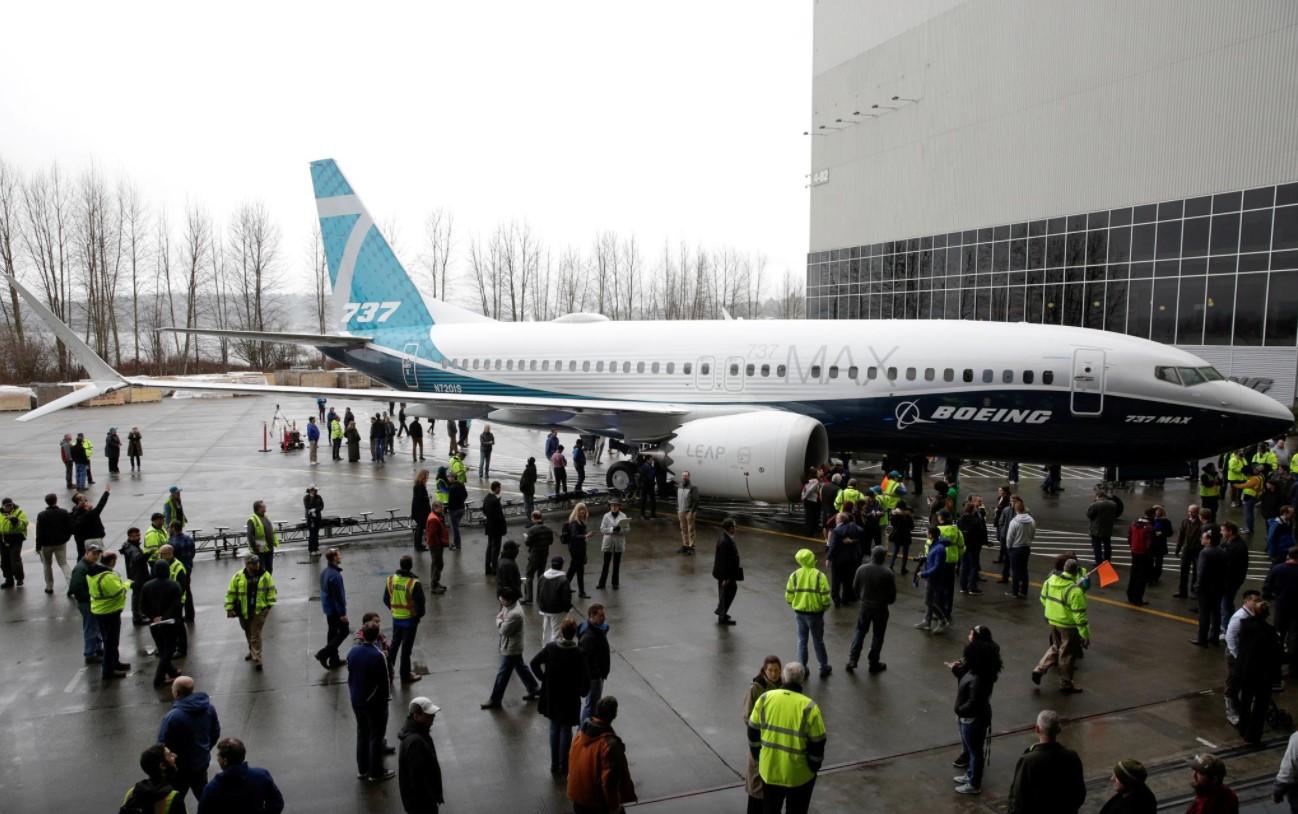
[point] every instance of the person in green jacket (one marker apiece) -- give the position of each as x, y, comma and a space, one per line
13, 533
807, 592
249, 599
1064, 601
107, 593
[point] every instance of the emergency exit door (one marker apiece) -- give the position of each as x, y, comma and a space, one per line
1088, 381
409, 370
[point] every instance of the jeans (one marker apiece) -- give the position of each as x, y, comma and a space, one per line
92, 645
1102, 547
110, 628
581, 476
83, 470
529, 503
267, 557
592, 698
1138, 578
787, 799
578, 569
456, 516
560, 487
371, 726
869, 617
1250, 504
508, 666
336, 635
973, 734
484, 462
560, 743
1019, 557
900, 546
969, 569
811, 517
813, 623
403, 639
313, 536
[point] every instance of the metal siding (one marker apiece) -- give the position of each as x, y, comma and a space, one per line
1250, 364
1034, 108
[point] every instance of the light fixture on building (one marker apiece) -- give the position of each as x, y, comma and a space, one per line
809, 133
877, 106
903, 99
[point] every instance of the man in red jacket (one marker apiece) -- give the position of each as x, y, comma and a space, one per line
599, 781
1140, 536
436, 539
1211, 794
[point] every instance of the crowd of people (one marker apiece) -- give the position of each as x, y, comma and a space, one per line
862, 526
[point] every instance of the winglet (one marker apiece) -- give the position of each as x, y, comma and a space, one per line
103, 379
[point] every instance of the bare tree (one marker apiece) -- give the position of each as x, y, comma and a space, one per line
791, 297
484, 276
134, 229
254, 249
98, 232
9, 228
46, 211
604, 266
319, 279
195, 247
439, 242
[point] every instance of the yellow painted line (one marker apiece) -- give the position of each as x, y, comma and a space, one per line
1189, 620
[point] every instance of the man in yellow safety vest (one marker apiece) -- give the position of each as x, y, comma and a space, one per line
155, 537
1064, 601
107, 600
249, 599
405, 597
261, 536
786, 735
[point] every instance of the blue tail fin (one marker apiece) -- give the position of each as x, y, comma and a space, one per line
371, 290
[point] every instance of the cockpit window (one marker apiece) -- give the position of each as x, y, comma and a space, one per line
1210, 374
1167, 374
1190, 376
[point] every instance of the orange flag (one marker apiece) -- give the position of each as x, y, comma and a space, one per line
1108, 574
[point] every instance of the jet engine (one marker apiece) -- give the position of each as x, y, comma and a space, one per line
750, 456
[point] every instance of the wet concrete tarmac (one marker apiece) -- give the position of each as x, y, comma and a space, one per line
680, 678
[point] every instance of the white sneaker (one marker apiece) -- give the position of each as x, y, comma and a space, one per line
967, 789
924, 625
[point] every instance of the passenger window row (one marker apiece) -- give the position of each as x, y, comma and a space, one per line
948, 375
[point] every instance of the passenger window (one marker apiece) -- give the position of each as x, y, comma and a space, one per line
766, 371
853, 372
531, 365
639, 367
599, 367
910, 374
671, 367
1007, 377
749, 370
509, 364
497, 364
988, 375
968, 375
687, 367
872, 373
653, 368
1190, 376
833, 371
1028, 376
626, 367
705, 368
929, 374
475, 364
815, 371
1048, 377
1167, 374
572, 365
892, 374
948, 375
585, 366
779, 371
734, 369
545, 364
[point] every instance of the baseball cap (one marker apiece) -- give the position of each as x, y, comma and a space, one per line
424, 705
7, 502
1209, 765
174, 489
311, 488
94, 547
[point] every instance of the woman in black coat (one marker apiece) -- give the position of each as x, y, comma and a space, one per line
574, 535
420, 508
113, 449
726, 571
1257, 670
565, 680
977, 671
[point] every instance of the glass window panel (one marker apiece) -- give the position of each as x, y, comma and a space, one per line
1163, 325
1189, 311
1286, 194
1001, 256
748, 370
1098, 220
1001, 232
599, 366
929, 374
1115, 306
1119, 217
1054, 251
1144, 214
1094, 306
891, 373
983, 298
1250, 308
1029, 377
1138, 307
1198, 206
1097, 246
999, 298
1286, 228
951, 304
1226, 202
1168, 243
779, 371
1119, 245
1007, 377
910, 374
1036, 252
1015, 313
1142, 242
1053, 311
671, 367
1167, 268
1033, 304
1036, 228
1197, 265
1194, 240
1284, 260
1169, 210
988, 375
1225, 234
1056, 225
1253, 262
1018, 254
1118, 272
1047, 377
1282, 308
1075, 249
1076, 223
968, 375
1219, 306
1019, 230
1255, 231
1074, 304
984, 257
1260, 197
1223, 265
948, 375
1142, 270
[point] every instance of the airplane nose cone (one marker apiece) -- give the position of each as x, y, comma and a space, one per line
1263, 415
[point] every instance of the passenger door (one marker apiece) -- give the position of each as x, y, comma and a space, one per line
1088, 382
409, 370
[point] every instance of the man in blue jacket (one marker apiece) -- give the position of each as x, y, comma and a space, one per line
239, 787
368, 680
333, 602
190, 729
312, 439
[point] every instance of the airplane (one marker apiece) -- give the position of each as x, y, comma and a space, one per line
747, 406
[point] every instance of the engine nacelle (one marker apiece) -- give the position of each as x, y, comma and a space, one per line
750, 456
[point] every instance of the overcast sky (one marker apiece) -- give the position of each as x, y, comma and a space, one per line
664, 119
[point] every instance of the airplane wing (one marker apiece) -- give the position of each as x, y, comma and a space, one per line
313, 340
637, 418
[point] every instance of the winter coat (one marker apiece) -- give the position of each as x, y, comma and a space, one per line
598, 776
135, 444
367, 676
614, 528
509, 628
1257, 664
846, 544
565, 680
537, 537
333, 594
1136, 800
456, 496
553, 594
593, 641
241, 788
974, 528
419, 775
1213, 566
137, 564
876, 585
149, 796
1102, 514
420, 505
725, 560
53, 527
1236, 561
1140, 537
1020, 531
1279, 537
493, 514
507, 575
191, 729
86, 524
574, 534
1048, 777
160, 598
1281, 588
973, 696
527, 482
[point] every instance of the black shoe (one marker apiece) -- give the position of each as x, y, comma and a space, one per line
6, 584
584, 596
1198, 643
532, 696
324, 662
525, 601
1070, 690
851, 665
94, 659
878, 667
1036, 677
489, 705
725, 620
389, 750
975, 592
826, 670
1178, 596
599, 587
615, 586
961, 762
388, 775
